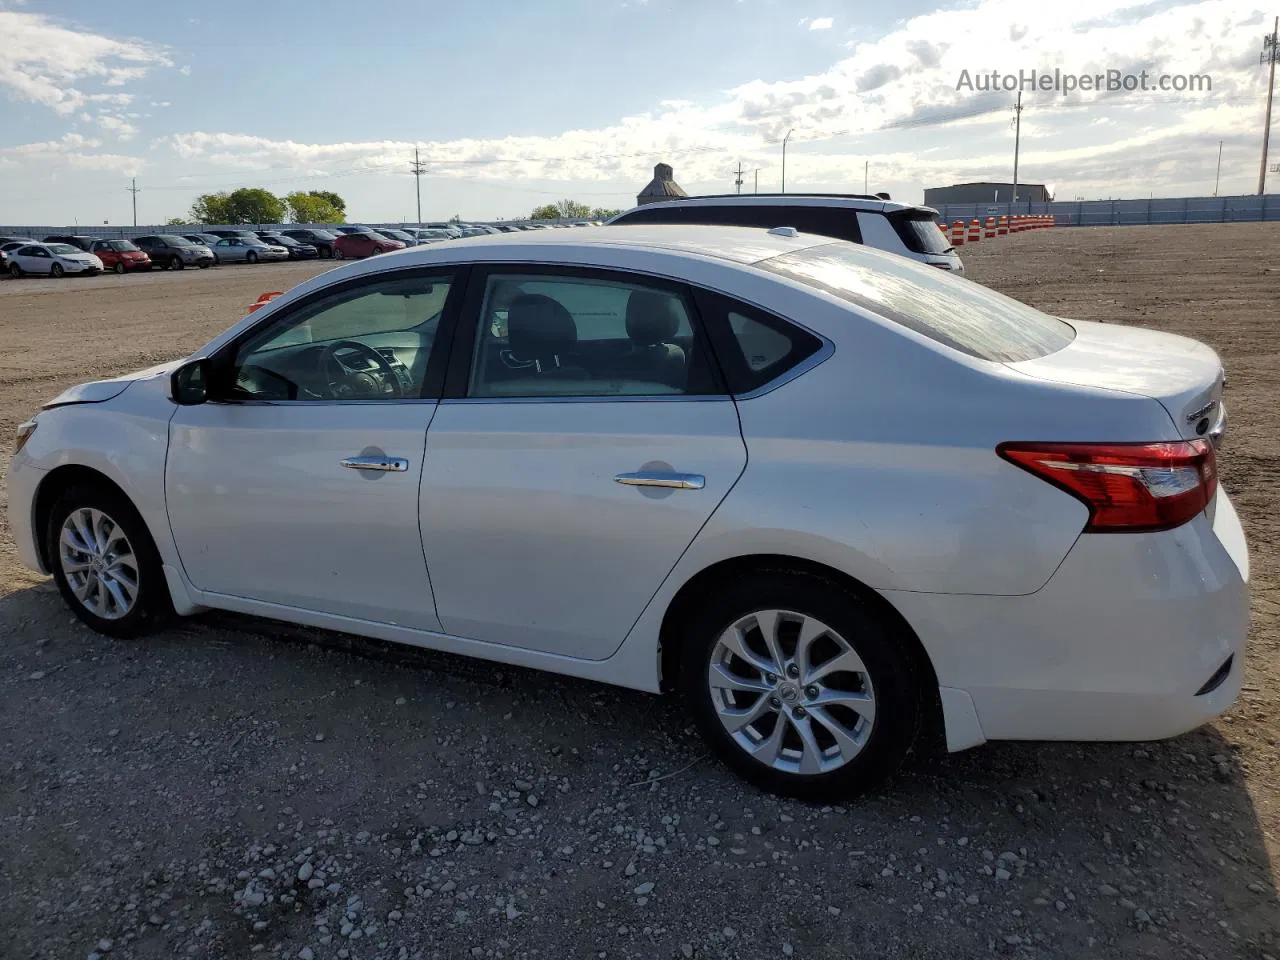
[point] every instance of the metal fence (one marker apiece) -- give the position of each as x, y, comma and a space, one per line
1096, 213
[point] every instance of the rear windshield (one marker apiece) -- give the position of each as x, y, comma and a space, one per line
919, 231
959, 313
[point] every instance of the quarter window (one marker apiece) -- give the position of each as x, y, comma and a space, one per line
754, 347
553, 336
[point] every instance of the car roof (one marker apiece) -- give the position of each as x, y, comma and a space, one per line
852, 201
744, 245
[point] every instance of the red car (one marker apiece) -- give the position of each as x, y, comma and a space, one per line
119, 255
352, 246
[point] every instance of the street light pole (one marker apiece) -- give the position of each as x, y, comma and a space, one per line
784, 159
1270, 53
1218, 176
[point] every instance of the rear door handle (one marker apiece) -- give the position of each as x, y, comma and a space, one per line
382, 464
651, 478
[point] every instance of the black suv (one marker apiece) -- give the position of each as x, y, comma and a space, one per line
322, 240
84, 243
168, 251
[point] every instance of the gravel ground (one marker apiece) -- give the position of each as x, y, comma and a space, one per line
235, 786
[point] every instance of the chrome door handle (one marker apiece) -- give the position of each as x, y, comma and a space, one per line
652, 478
383, 464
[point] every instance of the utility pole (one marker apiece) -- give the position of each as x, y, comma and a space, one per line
1270, 54
418, 168
738, 180
1017, 142
1218, 176
784, 159
757, 179
866, 175
134, 189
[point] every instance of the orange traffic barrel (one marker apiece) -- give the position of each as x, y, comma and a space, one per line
1002, 226
989, 228
975, 232
957, 233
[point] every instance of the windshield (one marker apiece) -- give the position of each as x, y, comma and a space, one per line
62, 249
959, 313
919, 231
172, 241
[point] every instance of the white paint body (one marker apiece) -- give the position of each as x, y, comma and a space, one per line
507, 538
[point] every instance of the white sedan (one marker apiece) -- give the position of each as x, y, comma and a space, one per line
835, 498
52, 260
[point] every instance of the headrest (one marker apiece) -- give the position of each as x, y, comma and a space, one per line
538, 326
651, 317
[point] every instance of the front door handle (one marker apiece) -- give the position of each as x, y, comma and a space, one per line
654, 478
381, 464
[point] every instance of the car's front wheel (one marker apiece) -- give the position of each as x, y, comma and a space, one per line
800, 685
119, 267
251, 257
177, 263
338, 254
105, 563
56, 270
15, 271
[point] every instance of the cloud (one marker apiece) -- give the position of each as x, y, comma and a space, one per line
73, 150
821, 23
46, 63
121, 127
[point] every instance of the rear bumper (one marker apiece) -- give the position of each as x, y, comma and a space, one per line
1118, 645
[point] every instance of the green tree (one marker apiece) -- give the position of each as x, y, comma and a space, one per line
246, 205
603, 213
176, 222
316, 206
561, 210
456, 218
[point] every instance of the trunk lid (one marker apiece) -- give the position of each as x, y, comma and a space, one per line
1184, 375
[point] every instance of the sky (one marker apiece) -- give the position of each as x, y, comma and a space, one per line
516, 104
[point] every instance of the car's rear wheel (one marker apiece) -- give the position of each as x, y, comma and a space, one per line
177, 263
105, 563
15, 271
119, 267
56, 270
206, 264
251, 257
800, 685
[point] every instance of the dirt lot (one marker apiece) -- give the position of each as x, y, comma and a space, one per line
236, 786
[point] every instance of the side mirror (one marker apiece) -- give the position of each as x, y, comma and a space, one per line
189, 384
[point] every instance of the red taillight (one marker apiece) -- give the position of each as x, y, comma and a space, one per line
1128, 487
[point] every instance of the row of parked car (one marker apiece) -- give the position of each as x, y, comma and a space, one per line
66, 254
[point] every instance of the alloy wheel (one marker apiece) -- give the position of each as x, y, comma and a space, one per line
99, 563
791, 692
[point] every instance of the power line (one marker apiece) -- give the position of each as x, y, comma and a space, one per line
1270, 54
135, 190
417, 168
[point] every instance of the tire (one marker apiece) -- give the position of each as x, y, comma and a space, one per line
882, 667
119, 267
375, 251
205, 266
326, 253
15, 271
217, 261
250, 257
337, 254
138, 560
56, 271
177, 263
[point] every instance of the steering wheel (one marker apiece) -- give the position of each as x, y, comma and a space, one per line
343, 383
